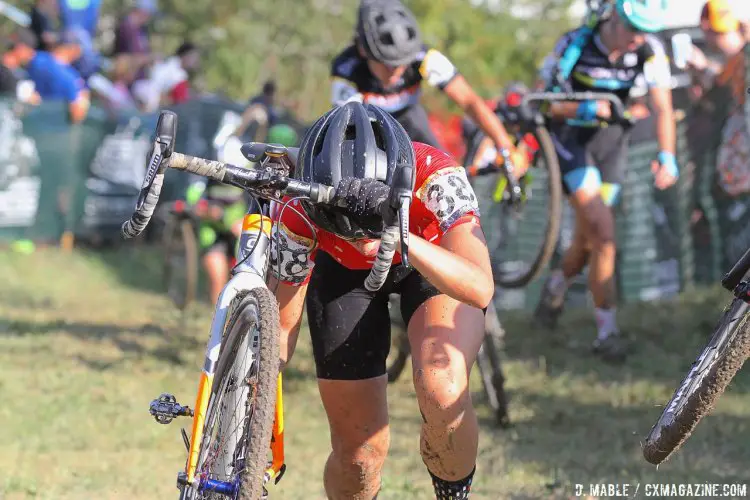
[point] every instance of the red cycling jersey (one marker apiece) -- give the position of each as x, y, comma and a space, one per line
443, 199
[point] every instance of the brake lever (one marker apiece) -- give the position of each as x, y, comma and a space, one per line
403, 219
402, 192
516, 196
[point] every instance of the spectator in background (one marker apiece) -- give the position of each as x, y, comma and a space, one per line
43, 19
168, 82
80, 14
723, 32
79, 19
114, 92
260, 110
52, 79
131, 36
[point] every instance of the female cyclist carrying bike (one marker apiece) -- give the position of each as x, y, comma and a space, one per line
325, 254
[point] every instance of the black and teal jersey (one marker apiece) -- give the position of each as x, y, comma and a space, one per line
593, 71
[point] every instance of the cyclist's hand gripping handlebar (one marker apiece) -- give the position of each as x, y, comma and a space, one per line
162, 149
619, 115
514, 188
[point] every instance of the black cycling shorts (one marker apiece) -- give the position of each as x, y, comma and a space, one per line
225, 243
591, 155
417, 125
350, 326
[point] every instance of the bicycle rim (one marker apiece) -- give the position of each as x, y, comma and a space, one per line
520, 273
495, 387
400, 350
237, 432
706, 381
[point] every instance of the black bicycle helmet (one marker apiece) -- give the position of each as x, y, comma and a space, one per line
354, 140
388, 32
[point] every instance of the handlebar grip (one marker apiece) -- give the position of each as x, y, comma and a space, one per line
379, 272
140, 218
207, 168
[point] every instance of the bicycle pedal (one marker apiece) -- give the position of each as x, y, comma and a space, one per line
165, 408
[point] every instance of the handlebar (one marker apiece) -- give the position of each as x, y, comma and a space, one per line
262, 181
620, 116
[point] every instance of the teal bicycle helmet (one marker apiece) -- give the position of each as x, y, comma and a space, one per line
648, 16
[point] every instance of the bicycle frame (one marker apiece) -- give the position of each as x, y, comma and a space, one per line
252, 256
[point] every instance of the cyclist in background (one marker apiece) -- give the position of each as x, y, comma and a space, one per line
325, 256
506, 108
221, 219
387, 64
614, 53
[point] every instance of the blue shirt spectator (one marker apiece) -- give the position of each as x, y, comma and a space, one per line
80, 13
54, 80
79, 19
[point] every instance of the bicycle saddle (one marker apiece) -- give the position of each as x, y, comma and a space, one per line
255, 151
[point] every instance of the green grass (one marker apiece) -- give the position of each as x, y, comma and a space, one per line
87, 341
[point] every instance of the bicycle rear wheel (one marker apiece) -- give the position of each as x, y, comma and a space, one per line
239, 420
400, 349
706, 381
180, 277
522, 243
488, 361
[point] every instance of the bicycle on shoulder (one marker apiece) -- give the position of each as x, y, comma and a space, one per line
332, 251
710, 374
238, 413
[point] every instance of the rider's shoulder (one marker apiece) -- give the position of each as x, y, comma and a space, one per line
653, 46
567, 37
346, 62
431, 159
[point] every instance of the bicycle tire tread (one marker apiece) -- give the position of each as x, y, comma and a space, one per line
259, 433
554, 216
669, 434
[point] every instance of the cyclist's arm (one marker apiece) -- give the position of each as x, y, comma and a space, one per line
473, 105
661, 100
659, 81
459, 267
290, 267
342, 90
291, 302
458, 264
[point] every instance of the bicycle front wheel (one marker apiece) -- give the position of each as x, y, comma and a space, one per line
522, 241
239, 420
706, 381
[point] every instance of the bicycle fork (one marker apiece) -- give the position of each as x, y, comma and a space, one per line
165, 408
168, 406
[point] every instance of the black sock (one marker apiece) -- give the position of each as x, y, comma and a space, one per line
452, 490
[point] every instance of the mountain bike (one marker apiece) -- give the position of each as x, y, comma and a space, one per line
522, 236
488, 359
237, 419
710, 373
